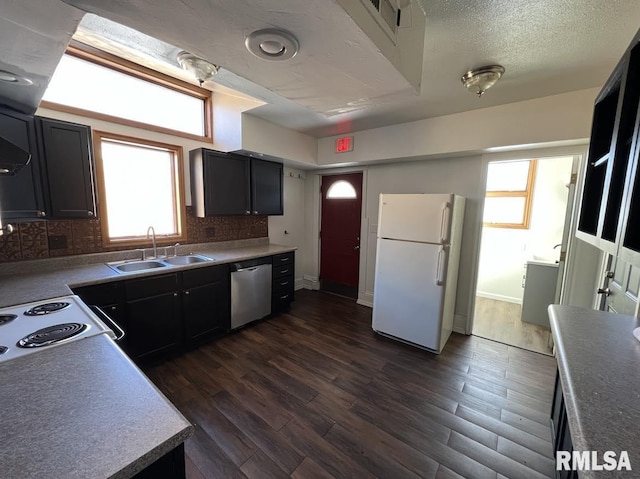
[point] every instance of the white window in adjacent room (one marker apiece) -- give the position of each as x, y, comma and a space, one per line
140, 185
509, 194
106, 87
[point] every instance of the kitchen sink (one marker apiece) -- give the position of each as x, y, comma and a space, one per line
133, 266
186, 259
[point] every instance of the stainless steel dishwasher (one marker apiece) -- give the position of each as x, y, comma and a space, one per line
250, 291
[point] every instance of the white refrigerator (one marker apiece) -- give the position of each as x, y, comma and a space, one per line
417, 259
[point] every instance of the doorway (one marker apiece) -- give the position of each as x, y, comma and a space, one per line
341, 207
527, 212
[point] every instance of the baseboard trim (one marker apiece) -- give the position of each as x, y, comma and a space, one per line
311, 282
365, 299
499, 297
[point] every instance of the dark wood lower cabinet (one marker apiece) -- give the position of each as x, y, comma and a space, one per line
169, 466
282, 287
560, 433
163, 314
205, 303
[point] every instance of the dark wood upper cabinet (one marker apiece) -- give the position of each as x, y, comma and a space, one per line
67, 156
21, 196
609, 214
229, 184
266, 187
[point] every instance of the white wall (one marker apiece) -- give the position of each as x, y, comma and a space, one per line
504, 251
289, 229
549, 120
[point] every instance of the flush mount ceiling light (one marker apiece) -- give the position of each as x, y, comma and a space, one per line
199, 68
272, 44
481, 79
10, 77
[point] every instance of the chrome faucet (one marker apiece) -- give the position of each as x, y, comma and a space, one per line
557, 246
153, 240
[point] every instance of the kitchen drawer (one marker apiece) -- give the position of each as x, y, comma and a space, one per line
283, 258
201, 276
101, 294
286, 270
284, 283
281, 301
151, 286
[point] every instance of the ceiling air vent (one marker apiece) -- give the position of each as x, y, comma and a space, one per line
386, 15
397, 28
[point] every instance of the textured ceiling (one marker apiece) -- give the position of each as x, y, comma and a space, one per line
546, 46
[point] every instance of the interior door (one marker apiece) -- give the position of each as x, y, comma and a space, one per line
621, 285
340, 233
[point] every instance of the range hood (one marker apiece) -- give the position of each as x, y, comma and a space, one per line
12, 158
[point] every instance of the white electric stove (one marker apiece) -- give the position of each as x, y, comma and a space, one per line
32, 327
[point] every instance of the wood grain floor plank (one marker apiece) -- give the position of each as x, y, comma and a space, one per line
316, 393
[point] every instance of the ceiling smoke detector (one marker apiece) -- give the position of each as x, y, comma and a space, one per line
199, 68
272, 44
481, 79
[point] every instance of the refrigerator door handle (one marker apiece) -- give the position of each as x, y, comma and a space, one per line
440, 266
444, 224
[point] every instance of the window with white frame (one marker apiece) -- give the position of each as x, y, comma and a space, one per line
140, 185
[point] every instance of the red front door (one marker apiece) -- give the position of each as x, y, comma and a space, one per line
340, 233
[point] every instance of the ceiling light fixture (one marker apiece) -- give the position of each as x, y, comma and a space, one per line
481, 79
199, 68
10, 77
272, 44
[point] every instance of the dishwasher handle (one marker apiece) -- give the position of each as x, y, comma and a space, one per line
249, 264
245, 269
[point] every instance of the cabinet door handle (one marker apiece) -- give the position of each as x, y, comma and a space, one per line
255, 212
285, 283
175, 295
186, 293
89, 213
41, 214
247, 212
284, 259
284, 271
284, 297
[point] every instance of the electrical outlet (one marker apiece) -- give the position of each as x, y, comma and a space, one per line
58, 242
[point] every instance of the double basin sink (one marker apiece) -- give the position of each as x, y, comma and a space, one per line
133, 266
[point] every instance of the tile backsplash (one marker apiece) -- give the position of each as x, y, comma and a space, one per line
55, 238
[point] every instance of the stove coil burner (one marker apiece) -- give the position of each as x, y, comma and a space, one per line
47, 308
51, 335
7, 318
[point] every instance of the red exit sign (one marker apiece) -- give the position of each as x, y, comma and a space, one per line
344, 144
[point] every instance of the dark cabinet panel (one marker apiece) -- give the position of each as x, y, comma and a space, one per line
228, 184
169, 466
266, 187
21, 195
110, 298
219, 183
206, 306
283, 281
67, 155
155, 326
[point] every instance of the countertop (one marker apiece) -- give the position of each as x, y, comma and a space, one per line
41, 281
83, 409
80, 410
599, 366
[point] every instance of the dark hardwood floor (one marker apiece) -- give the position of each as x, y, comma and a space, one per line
315, 393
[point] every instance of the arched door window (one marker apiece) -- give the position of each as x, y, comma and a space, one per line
340, 190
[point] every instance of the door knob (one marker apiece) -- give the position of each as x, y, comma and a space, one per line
357, 247
608, 274
605, 291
